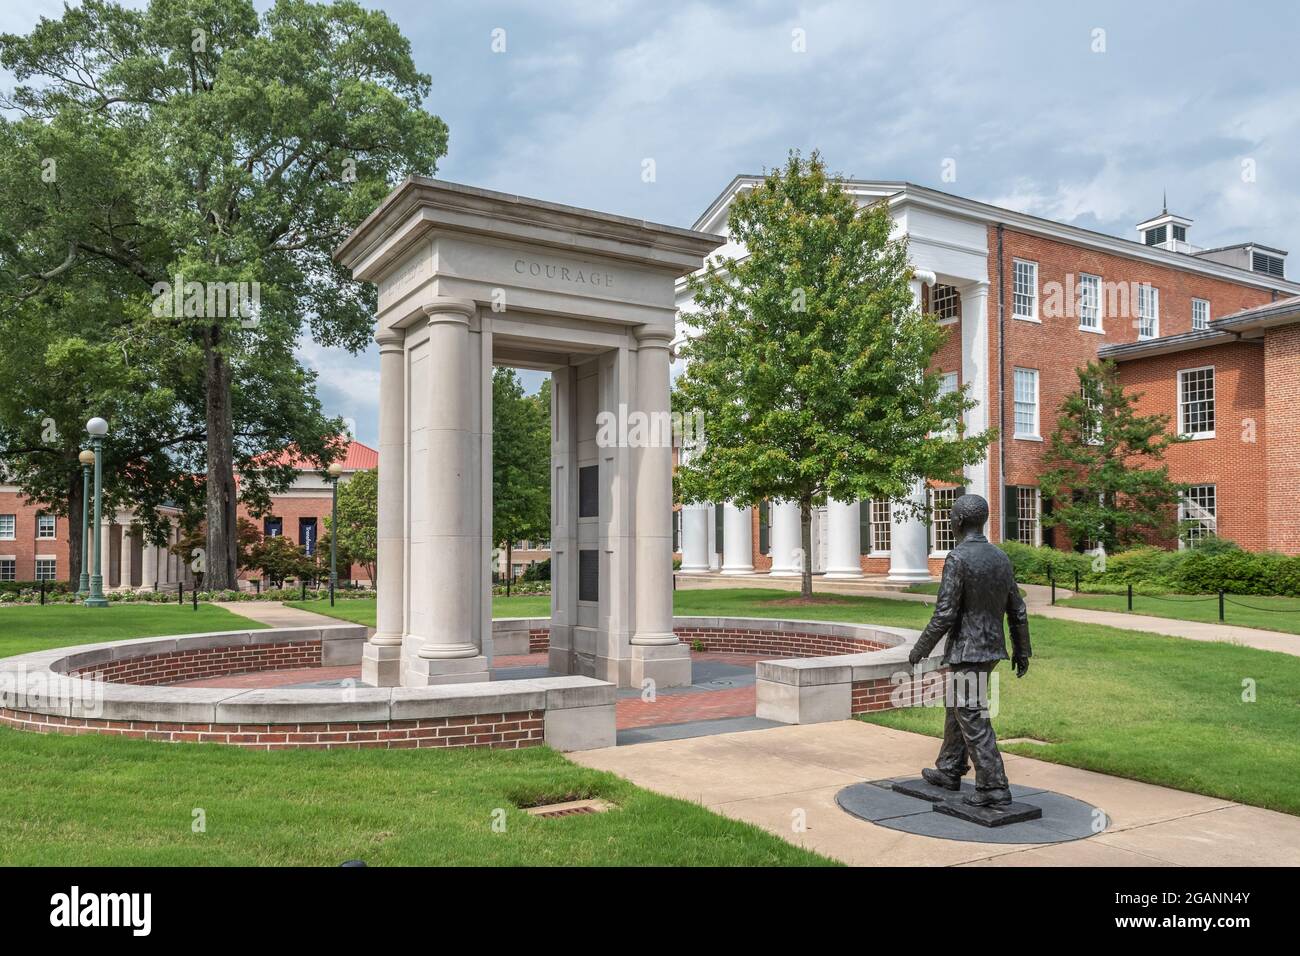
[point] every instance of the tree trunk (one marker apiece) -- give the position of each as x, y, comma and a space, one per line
222, 551
805, 542
74, 527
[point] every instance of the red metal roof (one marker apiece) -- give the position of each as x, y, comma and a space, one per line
357, 457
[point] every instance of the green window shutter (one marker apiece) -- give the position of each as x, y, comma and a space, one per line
1010, 514
764, 521
864, 527
717, 528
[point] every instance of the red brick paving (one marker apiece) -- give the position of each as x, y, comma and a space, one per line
284, 678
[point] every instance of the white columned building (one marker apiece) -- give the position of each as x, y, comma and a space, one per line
948, 243
695, 539
737, 540
469, 279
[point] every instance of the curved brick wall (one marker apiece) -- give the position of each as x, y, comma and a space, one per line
175, 666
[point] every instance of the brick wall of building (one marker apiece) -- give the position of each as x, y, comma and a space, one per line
1235, 459
1282, 409
24, 547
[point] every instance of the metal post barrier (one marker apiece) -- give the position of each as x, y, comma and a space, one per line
1076, 582
304, 589
180, 593
194, 597
42, 593
1220, 604
1130, 597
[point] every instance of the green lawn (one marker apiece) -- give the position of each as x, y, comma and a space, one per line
362, 610
96, 801
1269, 613
30, 627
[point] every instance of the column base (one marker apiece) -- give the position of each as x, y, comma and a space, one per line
381, 665
909, 575
841, 574
693, 569
667, 665
425, 672
749, 570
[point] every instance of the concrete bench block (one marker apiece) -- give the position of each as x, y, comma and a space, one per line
462, 700
802, 704
580, 728
171, 704
305, 705
575, 691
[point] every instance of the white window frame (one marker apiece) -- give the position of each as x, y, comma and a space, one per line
1087, 279
1036, 530
1204, 305
53, 525
950, 296
1210, 525
11, 564
882, 525
1016, 402
935, 525
52, 571
949, 382
1150, 296
12, 522
1182, 411
1032, 294
1092, 429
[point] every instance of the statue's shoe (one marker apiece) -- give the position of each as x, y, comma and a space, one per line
988, 798
941, 778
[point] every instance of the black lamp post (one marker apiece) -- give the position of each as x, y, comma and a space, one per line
97, 428
334, 470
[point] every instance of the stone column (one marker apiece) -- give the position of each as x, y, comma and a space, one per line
737, 540
124, 572
381, 660
909, 538
448, 653
844, 548
784, 533
975, 375
106, 552
149, 563
710, 512
695, 539
657, 654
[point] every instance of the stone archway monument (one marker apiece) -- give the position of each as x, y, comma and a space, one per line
469, 279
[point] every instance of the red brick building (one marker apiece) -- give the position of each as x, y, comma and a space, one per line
1027, 301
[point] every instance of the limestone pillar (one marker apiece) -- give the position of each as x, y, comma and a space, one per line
844, 539
695, 539
784, 534
975, 375
909, 538
657, 654
448, 652
737, 540
381, 661
711, 511
106, 552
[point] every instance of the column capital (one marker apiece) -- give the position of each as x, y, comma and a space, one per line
654, 337
977, 288
390, 339
449, 309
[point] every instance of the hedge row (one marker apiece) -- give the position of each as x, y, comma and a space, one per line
1211, 566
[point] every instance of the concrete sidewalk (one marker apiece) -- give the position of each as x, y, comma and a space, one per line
276, 614
768, 777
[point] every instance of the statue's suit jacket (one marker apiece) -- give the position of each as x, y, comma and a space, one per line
977, 589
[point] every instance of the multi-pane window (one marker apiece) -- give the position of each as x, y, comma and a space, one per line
947, 385
1028, 529
46, 569
1148, 311
942, 537
1198, 514
1026, 398
881, 523
8, 525
945, 303
1090, 302
45, 526
1196, 402
677, 531
1024, 290
8, 569
1200, 314
1091, 425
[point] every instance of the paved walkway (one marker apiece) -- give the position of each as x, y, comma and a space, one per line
276, 614
774, 777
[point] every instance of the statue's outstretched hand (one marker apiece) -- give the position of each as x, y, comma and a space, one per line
915, 656
1020, 665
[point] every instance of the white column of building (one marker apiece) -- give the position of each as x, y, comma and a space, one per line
449, 653
695, 539
149, 565
124, 574
382, 657
737, 540
975, 376
105, 552
711, 512
783, 534
909, 538
843, 552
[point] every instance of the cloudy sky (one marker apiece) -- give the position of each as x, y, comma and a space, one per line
1081, 112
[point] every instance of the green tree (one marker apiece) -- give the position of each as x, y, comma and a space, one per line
279, 559
811, 361
1105, 474
358, 522
198, 142
521, 462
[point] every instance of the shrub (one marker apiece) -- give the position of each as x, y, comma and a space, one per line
1033, 564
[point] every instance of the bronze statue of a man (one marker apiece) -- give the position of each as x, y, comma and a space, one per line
978, 587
